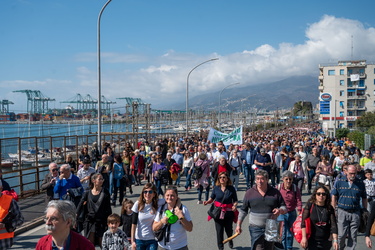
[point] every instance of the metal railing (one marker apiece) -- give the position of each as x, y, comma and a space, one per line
31, 156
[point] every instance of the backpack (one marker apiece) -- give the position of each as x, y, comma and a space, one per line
198, 172
163, 175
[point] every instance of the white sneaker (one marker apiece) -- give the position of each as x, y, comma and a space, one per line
200, 202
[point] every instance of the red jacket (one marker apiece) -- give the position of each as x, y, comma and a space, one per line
141, 164
77, 242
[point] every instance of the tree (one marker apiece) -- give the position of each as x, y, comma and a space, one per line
358, 137
342, 132
367, 120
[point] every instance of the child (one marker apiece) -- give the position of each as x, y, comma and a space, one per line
114, 238
126, 217
370, 188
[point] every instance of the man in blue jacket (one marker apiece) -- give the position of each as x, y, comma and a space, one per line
67, 181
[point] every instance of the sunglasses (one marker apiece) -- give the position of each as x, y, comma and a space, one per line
321, 224
288, 179
148, 192
222, 177
319, 194
55, 169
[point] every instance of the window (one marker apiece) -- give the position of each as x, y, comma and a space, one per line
361, 72
342, 93
373, 104
350, 113
342, 82
350, 71
341, 104
341, 113
331, 72
350, 83
361, 83
341, 71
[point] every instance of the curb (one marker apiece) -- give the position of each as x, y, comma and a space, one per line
29, 225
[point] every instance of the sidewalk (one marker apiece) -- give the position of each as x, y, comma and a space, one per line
32, 209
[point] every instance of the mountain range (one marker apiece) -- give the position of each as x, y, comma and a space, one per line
271, 96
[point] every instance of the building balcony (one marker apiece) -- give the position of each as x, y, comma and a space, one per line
321, 87
362, 108
321, 77
357, 97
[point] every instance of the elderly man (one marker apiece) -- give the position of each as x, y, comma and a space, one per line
264, 202
346, 195
104, 167
84, 173
60, 219
138, 166
67, 181
263, 161
49, 182
8, 204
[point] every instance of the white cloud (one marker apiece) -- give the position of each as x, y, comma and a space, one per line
162, 79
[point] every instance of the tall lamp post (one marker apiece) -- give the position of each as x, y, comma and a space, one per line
187, 93
99, 80
230, 85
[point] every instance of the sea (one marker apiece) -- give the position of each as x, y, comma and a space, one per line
24, 130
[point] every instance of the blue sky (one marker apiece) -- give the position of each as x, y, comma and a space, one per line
148, 47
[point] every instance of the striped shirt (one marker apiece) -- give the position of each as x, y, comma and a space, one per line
261, 206
349, 196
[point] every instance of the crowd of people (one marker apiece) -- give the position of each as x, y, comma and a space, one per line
277, 166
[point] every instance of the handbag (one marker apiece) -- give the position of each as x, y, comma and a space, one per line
273, 231
214, 211
372, 231
297, 230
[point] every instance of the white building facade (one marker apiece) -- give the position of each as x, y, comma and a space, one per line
347, 91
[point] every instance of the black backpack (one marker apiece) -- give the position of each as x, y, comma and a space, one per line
163, 175
198, 172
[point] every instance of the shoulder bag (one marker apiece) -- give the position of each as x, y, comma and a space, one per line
297, 230
214, 211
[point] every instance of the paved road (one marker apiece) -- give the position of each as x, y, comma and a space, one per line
203, 235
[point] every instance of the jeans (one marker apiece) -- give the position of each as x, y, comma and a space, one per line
188, 177
249, 174
158, 187
287, 238
200, 191
120, 188
235, 179
178, 180
146, 244
310, 177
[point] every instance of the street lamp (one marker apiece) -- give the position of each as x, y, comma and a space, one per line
220, 101
187, 93
99, 80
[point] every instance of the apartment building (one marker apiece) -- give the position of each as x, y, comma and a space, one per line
347, 91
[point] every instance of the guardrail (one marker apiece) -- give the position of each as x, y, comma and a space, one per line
30, 156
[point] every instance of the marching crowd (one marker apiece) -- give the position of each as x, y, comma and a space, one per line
278, 166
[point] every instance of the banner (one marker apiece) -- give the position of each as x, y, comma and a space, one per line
234, 137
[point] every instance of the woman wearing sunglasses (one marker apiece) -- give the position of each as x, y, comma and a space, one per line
323, 221
145, 209
224, 195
